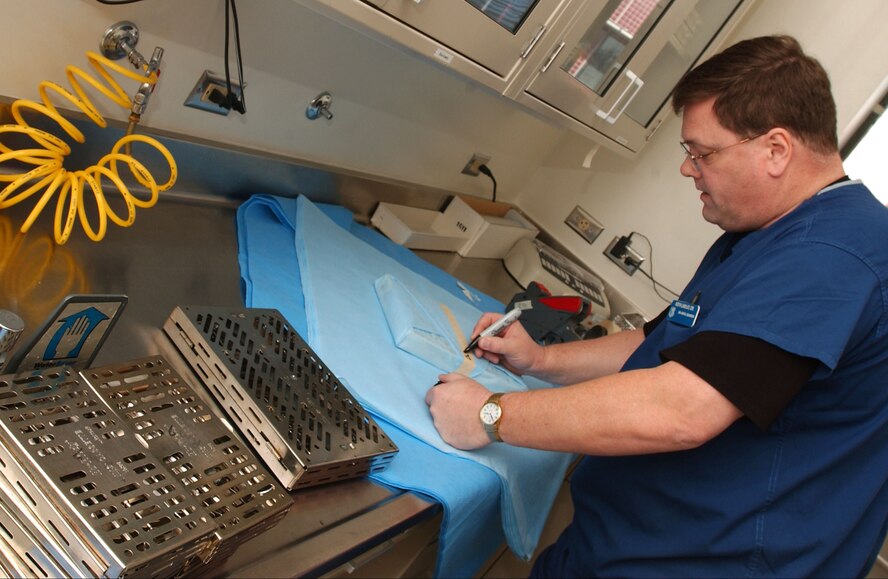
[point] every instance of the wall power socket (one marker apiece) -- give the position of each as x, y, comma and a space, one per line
626, 258
587, 226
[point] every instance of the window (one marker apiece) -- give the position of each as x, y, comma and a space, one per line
864, 154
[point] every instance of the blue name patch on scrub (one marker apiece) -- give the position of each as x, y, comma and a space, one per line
683, 313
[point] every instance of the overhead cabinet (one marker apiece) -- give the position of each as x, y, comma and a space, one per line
614, 69
603, 68
488, 41
497, 35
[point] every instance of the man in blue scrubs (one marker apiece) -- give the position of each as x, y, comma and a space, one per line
744, 431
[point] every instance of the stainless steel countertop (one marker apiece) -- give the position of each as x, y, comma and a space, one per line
487, 275
183, 252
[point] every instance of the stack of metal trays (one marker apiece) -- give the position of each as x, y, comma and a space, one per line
105, 505
88, 489
294, 412
207, 458
26, 548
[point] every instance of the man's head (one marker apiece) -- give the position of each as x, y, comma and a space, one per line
759, 131
762, 83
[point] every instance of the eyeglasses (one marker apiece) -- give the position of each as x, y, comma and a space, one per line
695, 158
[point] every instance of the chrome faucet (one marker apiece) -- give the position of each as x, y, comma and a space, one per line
320, 105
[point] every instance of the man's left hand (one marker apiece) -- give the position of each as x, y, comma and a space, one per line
455, 404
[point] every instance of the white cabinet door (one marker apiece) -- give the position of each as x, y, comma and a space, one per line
496, 34
616, 66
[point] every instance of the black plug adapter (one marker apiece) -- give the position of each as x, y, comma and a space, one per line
619, 248
235, 103
220, 98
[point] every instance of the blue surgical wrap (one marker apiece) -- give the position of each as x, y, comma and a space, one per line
350, 293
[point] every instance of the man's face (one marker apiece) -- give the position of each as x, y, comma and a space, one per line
732, 181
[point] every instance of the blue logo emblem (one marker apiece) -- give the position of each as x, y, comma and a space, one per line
73, 333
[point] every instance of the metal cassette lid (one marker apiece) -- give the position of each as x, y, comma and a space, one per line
210, 460
291, 408
92, 482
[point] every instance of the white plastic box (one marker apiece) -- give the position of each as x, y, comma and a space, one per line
416, 228
472, 228
493, 228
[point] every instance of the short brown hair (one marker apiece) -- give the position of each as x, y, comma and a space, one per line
762, 83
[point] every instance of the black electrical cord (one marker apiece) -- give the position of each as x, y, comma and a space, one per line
231, 100
650, 276
236, 102
486, 170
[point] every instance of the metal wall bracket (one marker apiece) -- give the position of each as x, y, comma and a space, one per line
118, 38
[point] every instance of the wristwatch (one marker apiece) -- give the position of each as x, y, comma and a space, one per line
491, 413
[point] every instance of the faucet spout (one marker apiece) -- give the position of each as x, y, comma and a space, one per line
320, 106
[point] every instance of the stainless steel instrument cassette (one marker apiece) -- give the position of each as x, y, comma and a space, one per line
86, 483
242, 497
294, 412
123, 471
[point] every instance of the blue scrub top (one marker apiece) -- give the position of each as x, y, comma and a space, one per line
809, 496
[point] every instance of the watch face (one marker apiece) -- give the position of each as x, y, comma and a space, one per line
490, 413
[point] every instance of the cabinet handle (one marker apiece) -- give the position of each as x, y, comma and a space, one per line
552, 57
529, 46
654, 130
634, 80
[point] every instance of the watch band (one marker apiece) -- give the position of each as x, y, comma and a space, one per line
492, 429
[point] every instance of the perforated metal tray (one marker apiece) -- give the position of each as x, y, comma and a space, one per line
183, 430
92, 484
27, 550
294, 412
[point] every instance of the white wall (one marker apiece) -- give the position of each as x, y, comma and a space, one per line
649, 195
403, 118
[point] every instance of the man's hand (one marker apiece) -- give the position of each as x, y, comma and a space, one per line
455, 404
514, 349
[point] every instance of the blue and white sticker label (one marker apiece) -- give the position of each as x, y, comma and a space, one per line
72, 333
683, 313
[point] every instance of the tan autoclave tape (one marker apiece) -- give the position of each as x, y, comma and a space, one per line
468, 363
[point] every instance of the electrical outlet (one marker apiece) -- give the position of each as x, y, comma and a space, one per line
199, 98
584, 224
476, 161
624, 256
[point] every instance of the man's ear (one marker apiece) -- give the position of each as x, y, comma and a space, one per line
780, 150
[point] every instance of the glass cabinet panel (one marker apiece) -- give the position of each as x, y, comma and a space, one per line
685, 46
507, 13
615, 67
602, 52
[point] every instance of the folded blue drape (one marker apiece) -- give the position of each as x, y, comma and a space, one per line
322, 271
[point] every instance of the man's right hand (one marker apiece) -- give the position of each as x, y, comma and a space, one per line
513, 349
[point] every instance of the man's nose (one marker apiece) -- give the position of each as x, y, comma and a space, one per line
688, 168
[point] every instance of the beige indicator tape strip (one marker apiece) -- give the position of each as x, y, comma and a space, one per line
468, 363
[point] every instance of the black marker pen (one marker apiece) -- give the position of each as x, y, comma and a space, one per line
494, 328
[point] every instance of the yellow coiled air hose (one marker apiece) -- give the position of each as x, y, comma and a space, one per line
48, 153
